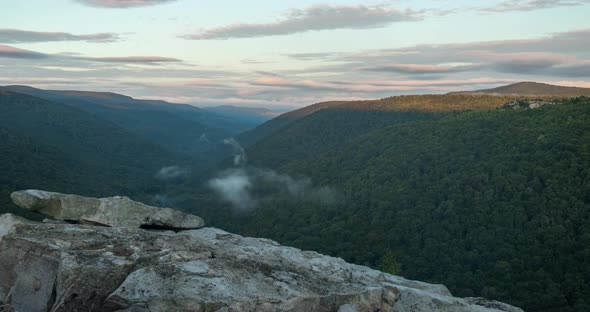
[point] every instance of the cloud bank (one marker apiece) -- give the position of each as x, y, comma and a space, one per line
71, 59
331, 17
234, 187
317, 17
420, 69
171, 173
558, 58
133, 59
557, 55
25, 36
245, 188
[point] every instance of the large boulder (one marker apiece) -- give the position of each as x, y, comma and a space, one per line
80, 267
112, 211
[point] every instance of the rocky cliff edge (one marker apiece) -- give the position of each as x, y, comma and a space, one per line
123, 265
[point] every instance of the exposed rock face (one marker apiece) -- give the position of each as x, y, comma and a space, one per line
112, 211
8, 222
76, 267
526, 104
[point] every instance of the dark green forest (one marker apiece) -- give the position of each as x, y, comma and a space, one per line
55, 147
492, 203
412, 104
323, 131
177, 128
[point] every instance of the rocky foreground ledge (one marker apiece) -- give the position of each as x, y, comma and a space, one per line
58, 266
117, 211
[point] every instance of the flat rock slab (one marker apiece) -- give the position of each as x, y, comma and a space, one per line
76, 267
111, 211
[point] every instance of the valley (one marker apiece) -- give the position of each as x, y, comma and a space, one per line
490, 200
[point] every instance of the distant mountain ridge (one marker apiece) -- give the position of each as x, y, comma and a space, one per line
115, 100
529, 88
319, 127
120, 99
430, 103
252, 110
255, 115
179, 128
434, 103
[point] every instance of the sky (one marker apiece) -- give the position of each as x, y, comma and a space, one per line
286, 53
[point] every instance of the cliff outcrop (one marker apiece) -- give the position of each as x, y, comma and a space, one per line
94, 266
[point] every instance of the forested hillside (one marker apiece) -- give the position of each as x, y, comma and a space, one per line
430, 103
324, 130
492, 203
433, 103
56, 147
179, 128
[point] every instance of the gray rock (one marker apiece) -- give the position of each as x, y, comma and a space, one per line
526, 104
112, 211
8, 223
348, 308
52, 221
77, 267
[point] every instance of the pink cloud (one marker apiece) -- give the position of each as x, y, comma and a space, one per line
313, 18
12, 52
568, 83
21, 36
134, 59
122, 3
365, 86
